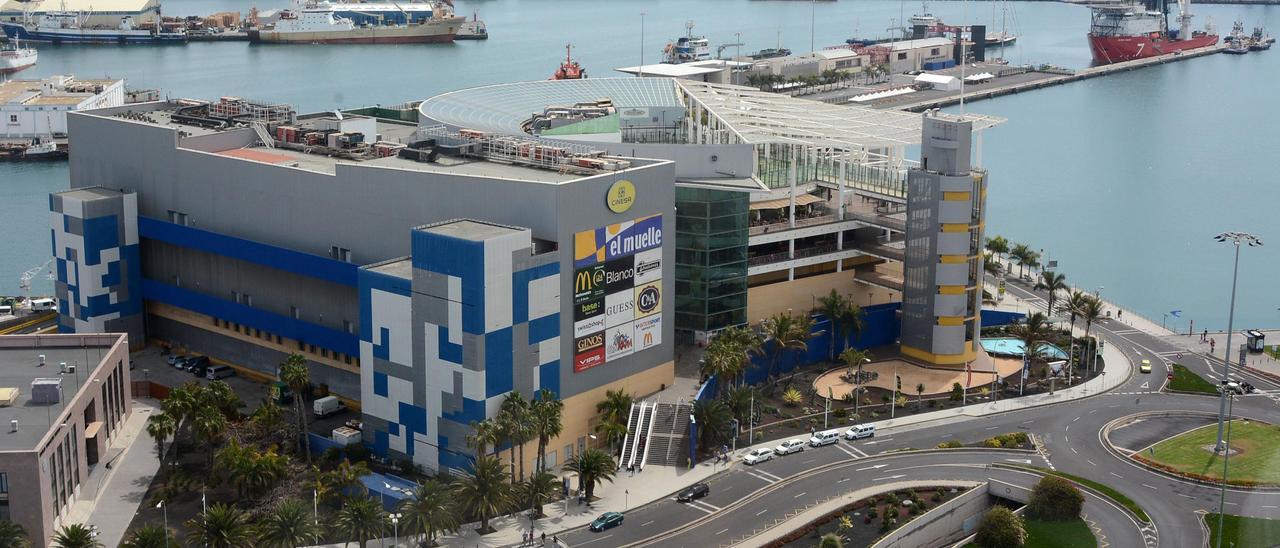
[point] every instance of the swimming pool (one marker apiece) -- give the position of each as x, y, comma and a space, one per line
1014, 347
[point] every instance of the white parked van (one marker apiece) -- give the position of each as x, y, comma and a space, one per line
824, 438
326, 406
859, 431
44, 305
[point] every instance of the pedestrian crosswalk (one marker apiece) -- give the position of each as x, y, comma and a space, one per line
703, 506
764, 476
852, 451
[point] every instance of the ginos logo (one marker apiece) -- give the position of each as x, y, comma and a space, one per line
648, 299
590, 342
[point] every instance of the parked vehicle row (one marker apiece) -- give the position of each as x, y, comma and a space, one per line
200, 366
819, 439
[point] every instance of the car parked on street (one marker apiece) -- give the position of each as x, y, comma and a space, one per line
758, 455
790, 446
859, 431
606, 521
695, 491
173, 359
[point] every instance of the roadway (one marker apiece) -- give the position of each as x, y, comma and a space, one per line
745, 499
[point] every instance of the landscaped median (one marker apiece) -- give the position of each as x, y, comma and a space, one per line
1186, 381
1191, 455
1101, 489
1242, 531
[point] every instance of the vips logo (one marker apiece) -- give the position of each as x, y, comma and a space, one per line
588, 283
648, 299
588, 351
622, 194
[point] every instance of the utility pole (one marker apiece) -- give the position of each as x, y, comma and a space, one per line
1236, 238
640, 73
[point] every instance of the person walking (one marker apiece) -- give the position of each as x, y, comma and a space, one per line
1204, 336
544, 538
1212, 344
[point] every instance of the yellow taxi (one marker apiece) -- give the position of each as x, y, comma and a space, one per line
1145, 367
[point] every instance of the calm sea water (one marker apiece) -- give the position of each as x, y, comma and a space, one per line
1123, 179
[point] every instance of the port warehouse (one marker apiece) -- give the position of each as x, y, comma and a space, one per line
31, 108
104, 13
63, 401
247, 253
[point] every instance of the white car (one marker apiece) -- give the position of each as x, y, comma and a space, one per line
758, 455
859, 431
790, 446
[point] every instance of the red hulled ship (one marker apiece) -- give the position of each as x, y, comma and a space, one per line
1136, 31
569, 69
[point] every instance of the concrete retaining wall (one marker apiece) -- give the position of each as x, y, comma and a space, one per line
943, 524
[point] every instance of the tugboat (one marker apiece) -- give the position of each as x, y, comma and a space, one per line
40, 148
14, 57
1237, 42
1260, 40
569, 69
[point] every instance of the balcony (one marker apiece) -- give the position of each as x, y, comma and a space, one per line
774, 220
883, 247
877, 279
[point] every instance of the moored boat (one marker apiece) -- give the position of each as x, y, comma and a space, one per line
14, 57
569, 69
39, 148
1132, 31
65, 27
310, 22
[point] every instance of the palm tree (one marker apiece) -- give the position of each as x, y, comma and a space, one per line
833, 305
615, 411
786, 331
1053, 283
1091, 312
738, 400
1075, 304
919, 395
361, 519
209, 424
484, 434
430, 511
222, 526
712, 419
220, 396
539, 490
160, 426
998, 245
148, 536
737, 344
991, 264
545, 412
345, 476
288, 525
12, 534
75, 535
294, 373
722, 361
515, 426
1034, 333
485, 492
1024, 256
593, 467
181, 405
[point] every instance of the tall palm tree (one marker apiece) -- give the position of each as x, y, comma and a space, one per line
75, 535
737, 400
485, 492
160, 426
786, 331
833, 305
712, 418
219, 395
1091, 312
431, 511
854, 359
361, 519
12, 534
547, 422
294, 373
998, 245
593, 467
1053, 283
615, 411
738, 344
515, 426
1034, 333
147, 536
221, 526
484, 434
182, 405
991, 264
723, 361
289, 525
1024, 256
1074, 305
209, 424
539, 490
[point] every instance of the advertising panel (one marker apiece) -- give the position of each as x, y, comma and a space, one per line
617, 291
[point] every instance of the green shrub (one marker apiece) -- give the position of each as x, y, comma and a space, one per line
840, 413
1000, 528
1055, 499
993, 443
957, 392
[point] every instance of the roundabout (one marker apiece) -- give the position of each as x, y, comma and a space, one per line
1183, 445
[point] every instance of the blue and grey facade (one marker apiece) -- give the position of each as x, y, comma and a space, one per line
94, 235
423, 321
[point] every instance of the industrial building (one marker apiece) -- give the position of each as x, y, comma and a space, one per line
63, 400
424, 274
34, 108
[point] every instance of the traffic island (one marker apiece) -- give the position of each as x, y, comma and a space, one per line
1241, 531
1254, 446
1186, 382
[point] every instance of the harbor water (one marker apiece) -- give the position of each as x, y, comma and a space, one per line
1123, 180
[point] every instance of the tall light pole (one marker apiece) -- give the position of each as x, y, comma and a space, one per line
1236, 238
640, 73
813, 22
395, 526
1226, 458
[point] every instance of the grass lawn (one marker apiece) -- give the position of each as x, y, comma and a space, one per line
1257, 446
1242, 531
1059, 534
1186, 381
1114, 495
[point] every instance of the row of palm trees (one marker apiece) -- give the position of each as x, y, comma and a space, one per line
1001, 248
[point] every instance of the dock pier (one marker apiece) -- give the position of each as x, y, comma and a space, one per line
1050, 78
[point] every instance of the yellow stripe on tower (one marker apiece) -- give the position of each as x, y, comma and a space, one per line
954, 259
955, 196
955, 227
951, 289
950, 320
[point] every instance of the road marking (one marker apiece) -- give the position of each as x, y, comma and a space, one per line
870, 467
759, 477
761, 512
701, 509
768, 475
1267, 507
1232, 503
992, 428
1146, 385
594, 540
1028, 422
1091, 463
843, 480
705, 504
800, 494
858, 451
1151, 487
1117, 475
1073, 450
841, 447
1092, 411
873, 442
1023, 461
890, 477
650, 522
722, 531
1075, 419
1184, 495
808, 461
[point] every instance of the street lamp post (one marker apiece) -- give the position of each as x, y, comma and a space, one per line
395, 527
166, 522
640, 73
1226, 458
1236, 238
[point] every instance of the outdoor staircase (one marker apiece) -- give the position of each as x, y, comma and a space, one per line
669, 439
634, 445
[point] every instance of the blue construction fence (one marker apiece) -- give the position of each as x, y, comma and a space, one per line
708, 391
880, 326
992, 318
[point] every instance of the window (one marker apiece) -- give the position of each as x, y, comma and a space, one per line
295, 313
13, 118
568, 452
933, 51
552, 461
347, 327
902, 56
340, 253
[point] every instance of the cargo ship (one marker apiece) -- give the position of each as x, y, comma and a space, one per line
310, 22
687, 49
14, 57
1140, 30
66, 27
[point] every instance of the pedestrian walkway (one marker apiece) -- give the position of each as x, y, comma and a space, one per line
120, 480
1260, 361
627, 491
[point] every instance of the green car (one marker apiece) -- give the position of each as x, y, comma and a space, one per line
606, 520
